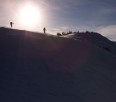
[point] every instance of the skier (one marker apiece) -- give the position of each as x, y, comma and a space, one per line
44, 29
11, 23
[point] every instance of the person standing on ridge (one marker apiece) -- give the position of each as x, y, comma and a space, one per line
11, 23
44, 29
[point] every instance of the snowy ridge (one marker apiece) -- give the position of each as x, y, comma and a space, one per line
39, 68
94, 38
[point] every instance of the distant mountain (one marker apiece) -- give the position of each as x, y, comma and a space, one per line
36, 67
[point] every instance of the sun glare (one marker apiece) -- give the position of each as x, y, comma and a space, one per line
30, 16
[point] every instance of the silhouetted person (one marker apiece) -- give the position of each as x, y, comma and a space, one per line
11, 23
44, 29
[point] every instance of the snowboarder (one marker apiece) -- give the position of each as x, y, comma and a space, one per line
44, 29
11, 23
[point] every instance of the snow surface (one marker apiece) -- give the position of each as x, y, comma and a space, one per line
35, 67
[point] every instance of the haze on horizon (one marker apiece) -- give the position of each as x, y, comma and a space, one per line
61, 15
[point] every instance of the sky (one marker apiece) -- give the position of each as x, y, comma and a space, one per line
64, 15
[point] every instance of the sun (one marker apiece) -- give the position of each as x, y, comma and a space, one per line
30, 15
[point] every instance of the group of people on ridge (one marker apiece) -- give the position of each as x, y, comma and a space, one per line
44, 29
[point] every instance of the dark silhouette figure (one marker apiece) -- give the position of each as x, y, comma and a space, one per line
44, 29
11, 23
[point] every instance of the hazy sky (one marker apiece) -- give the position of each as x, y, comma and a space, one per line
65, 15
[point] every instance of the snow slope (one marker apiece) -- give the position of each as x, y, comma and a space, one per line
35, 67
94, 38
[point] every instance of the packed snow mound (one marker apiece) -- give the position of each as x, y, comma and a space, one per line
36, 67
